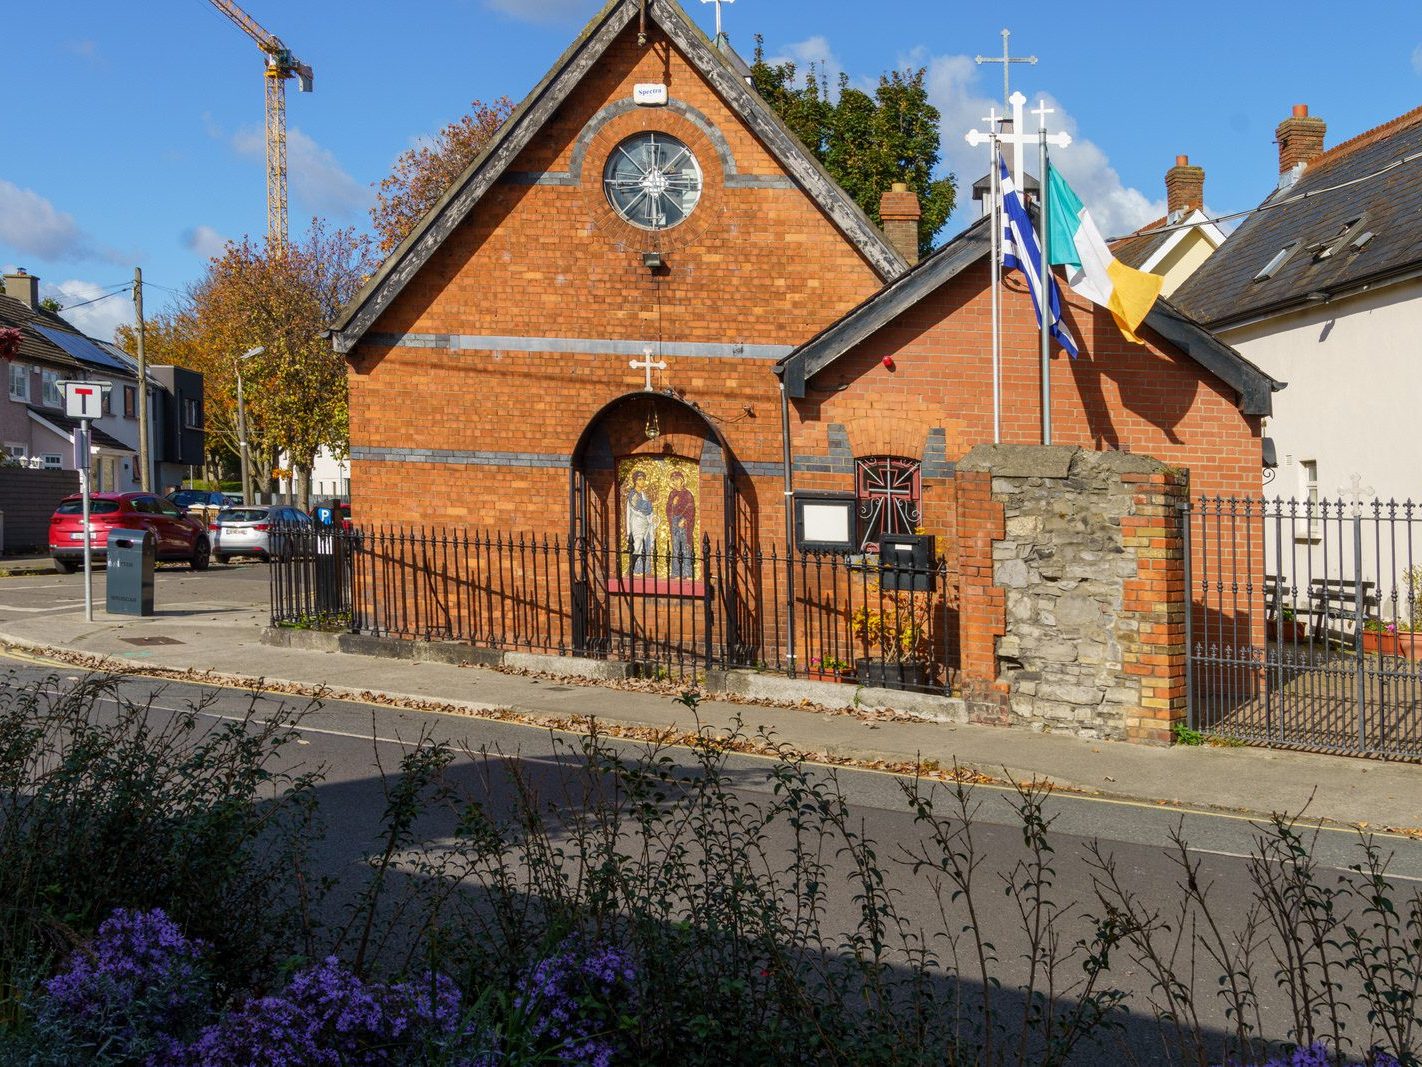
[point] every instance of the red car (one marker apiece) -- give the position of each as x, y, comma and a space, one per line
178, 536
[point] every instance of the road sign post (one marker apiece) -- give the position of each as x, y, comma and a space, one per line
85, 401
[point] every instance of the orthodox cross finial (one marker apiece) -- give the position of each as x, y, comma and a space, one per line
718, 4
648, 365
1006, 59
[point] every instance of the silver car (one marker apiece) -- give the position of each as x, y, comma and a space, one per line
253, 531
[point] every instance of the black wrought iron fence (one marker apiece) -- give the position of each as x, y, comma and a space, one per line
826, 617
1305, 626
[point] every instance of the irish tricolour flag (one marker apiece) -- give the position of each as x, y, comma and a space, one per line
1075, 243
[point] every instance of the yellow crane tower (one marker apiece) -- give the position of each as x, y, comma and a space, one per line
281, 65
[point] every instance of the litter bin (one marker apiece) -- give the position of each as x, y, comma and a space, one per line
132, 555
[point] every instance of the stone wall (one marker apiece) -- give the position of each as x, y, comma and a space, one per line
1086, 590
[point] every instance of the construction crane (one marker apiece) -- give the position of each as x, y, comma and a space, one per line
281, 65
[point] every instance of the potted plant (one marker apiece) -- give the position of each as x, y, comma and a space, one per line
893, 630
1288, 627
1381, 637
828, 669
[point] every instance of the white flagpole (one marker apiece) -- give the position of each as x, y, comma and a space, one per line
1042, 209
995, 192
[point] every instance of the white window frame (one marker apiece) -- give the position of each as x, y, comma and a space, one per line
24, 378
17, 451
52, 461
49, 383
1308, 489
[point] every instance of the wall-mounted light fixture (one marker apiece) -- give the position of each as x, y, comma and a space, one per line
653, 260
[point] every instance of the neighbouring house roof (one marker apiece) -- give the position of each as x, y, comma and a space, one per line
723, 74
35, 347
63, 425
1318, 228
1253, 387
1145, 248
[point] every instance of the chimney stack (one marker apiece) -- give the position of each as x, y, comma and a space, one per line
1184, 188
899, 213
1300, 139
23, 287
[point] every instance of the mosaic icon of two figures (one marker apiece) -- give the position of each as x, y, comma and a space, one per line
660, 516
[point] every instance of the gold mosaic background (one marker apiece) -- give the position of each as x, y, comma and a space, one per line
658, 470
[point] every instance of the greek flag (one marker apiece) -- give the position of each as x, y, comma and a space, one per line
1020, 251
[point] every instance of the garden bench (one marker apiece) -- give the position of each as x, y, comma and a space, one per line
1333, 602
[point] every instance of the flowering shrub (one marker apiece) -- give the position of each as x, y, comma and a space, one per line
580, 1003
328, 1015
135, 992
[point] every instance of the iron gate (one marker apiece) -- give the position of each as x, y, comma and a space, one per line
1300, 631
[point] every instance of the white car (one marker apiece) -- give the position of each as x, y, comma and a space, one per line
253, 531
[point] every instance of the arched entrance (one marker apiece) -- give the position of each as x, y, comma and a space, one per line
652, 509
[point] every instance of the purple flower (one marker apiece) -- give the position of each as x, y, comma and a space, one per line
328, 1015
139, 988
577, 1002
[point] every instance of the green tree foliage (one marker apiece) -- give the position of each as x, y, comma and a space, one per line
865, 142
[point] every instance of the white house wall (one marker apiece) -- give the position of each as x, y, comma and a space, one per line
1353, 403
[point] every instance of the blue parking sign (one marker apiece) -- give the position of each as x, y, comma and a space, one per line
326, 516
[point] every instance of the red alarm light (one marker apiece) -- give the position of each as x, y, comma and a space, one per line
889, 362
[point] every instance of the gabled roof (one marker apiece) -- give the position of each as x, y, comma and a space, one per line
1145, 248
406, 260
1252, 386
1312, 222
35, 347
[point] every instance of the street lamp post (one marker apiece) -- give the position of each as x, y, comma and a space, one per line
242, 426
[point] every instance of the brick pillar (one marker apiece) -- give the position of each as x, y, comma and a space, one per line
899, 212
982, 606
1154, 601
1184, 187
1300, 138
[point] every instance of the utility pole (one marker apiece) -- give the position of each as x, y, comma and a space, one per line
145, 468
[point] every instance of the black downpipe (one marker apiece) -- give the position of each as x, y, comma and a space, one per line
789, 527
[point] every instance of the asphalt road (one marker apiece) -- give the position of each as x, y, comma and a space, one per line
177, 588
356, 746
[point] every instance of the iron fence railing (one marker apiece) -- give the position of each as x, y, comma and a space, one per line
1305, 623
678, 614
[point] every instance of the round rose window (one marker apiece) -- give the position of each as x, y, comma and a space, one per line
652, 180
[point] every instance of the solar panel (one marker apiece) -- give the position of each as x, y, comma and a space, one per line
81, 348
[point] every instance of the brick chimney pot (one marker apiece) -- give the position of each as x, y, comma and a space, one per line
899, 212
1184, 187
1300, 138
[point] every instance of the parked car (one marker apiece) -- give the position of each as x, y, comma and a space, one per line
232, 500
204, 503
177, 536
255, 531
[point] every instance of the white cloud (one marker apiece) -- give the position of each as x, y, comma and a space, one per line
205, 241
315, 178
98, 319
1417, 59
30, 224
953, 88
543, 11
812, 51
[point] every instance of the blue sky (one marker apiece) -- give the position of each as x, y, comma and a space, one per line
131, 133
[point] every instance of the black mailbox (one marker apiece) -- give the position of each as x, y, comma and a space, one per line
131, 556
907, 562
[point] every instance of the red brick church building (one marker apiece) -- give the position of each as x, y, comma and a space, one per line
644, 206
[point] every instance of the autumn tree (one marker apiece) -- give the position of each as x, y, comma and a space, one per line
866, 142
421, 175
281, 299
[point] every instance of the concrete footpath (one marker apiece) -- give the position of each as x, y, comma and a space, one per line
222, 643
